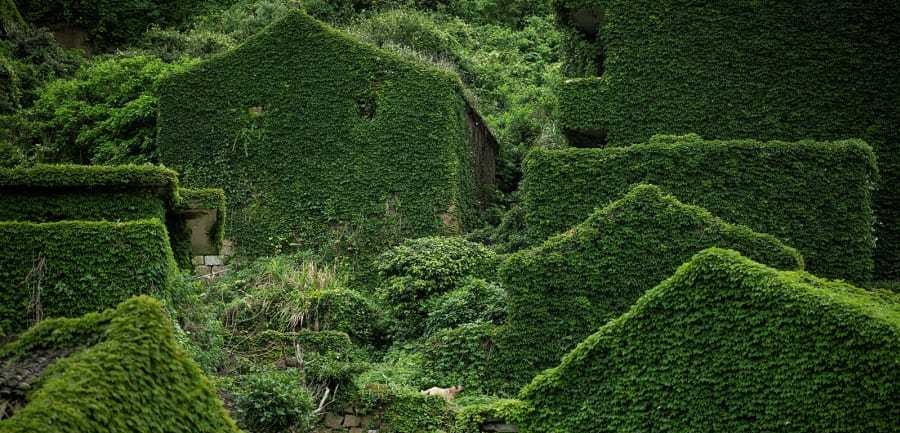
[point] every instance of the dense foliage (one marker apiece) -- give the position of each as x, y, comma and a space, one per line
419, 273
795, 70
130, 376
733, 346
563, 290
402, 171
273, 402
777, 188
29, 57
62, 192
73, 267
106, 23
340, 141
105, 114
473, 301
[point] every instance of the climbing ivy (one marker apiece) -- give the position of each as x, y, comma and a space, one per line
338, 146
733, 346
806, 69
68, 268
131, 375
816, 196
566, 288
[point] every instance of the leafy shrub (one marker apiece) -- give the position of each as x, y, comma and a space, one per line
474, 301
566, 288
105, 114
171, 45
440, 261
419, 269
272, 402
772, 187
510, 12
731, 345
291, 293
29, 57
412, 29
129, 374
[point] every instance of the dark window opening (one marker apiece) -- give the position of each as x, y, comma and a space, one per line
587, 138
589, 22
367, 105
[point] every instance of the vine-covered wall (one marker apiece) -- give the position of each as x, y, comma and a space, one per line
731, 345
320, 140
815, 196
786, 70
568, 287
69, 268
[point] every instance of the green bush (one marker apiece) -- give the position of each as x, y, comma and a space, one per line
732, 346
508, 12
129, 375
349, 141
566, 288
70, 268
107, 23
775, 187
466, 355
474, 301
411, 29
418, 270
443, 262
746, 69
29, 57
290, 294
272, 402
105, 114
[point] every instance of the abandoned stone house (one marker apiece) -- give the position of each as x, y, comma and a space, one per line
322, 141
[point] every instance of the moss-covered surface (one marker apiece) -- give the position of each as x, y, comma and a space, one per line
70, 268
129, 376
806, 69
321, 141
46, 193
565, 289
729, 345
63, 192
816, 196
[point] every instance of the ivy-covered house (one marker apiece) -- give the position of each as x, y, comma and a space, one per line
787, 70
80, 239
727, 344
321, 141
